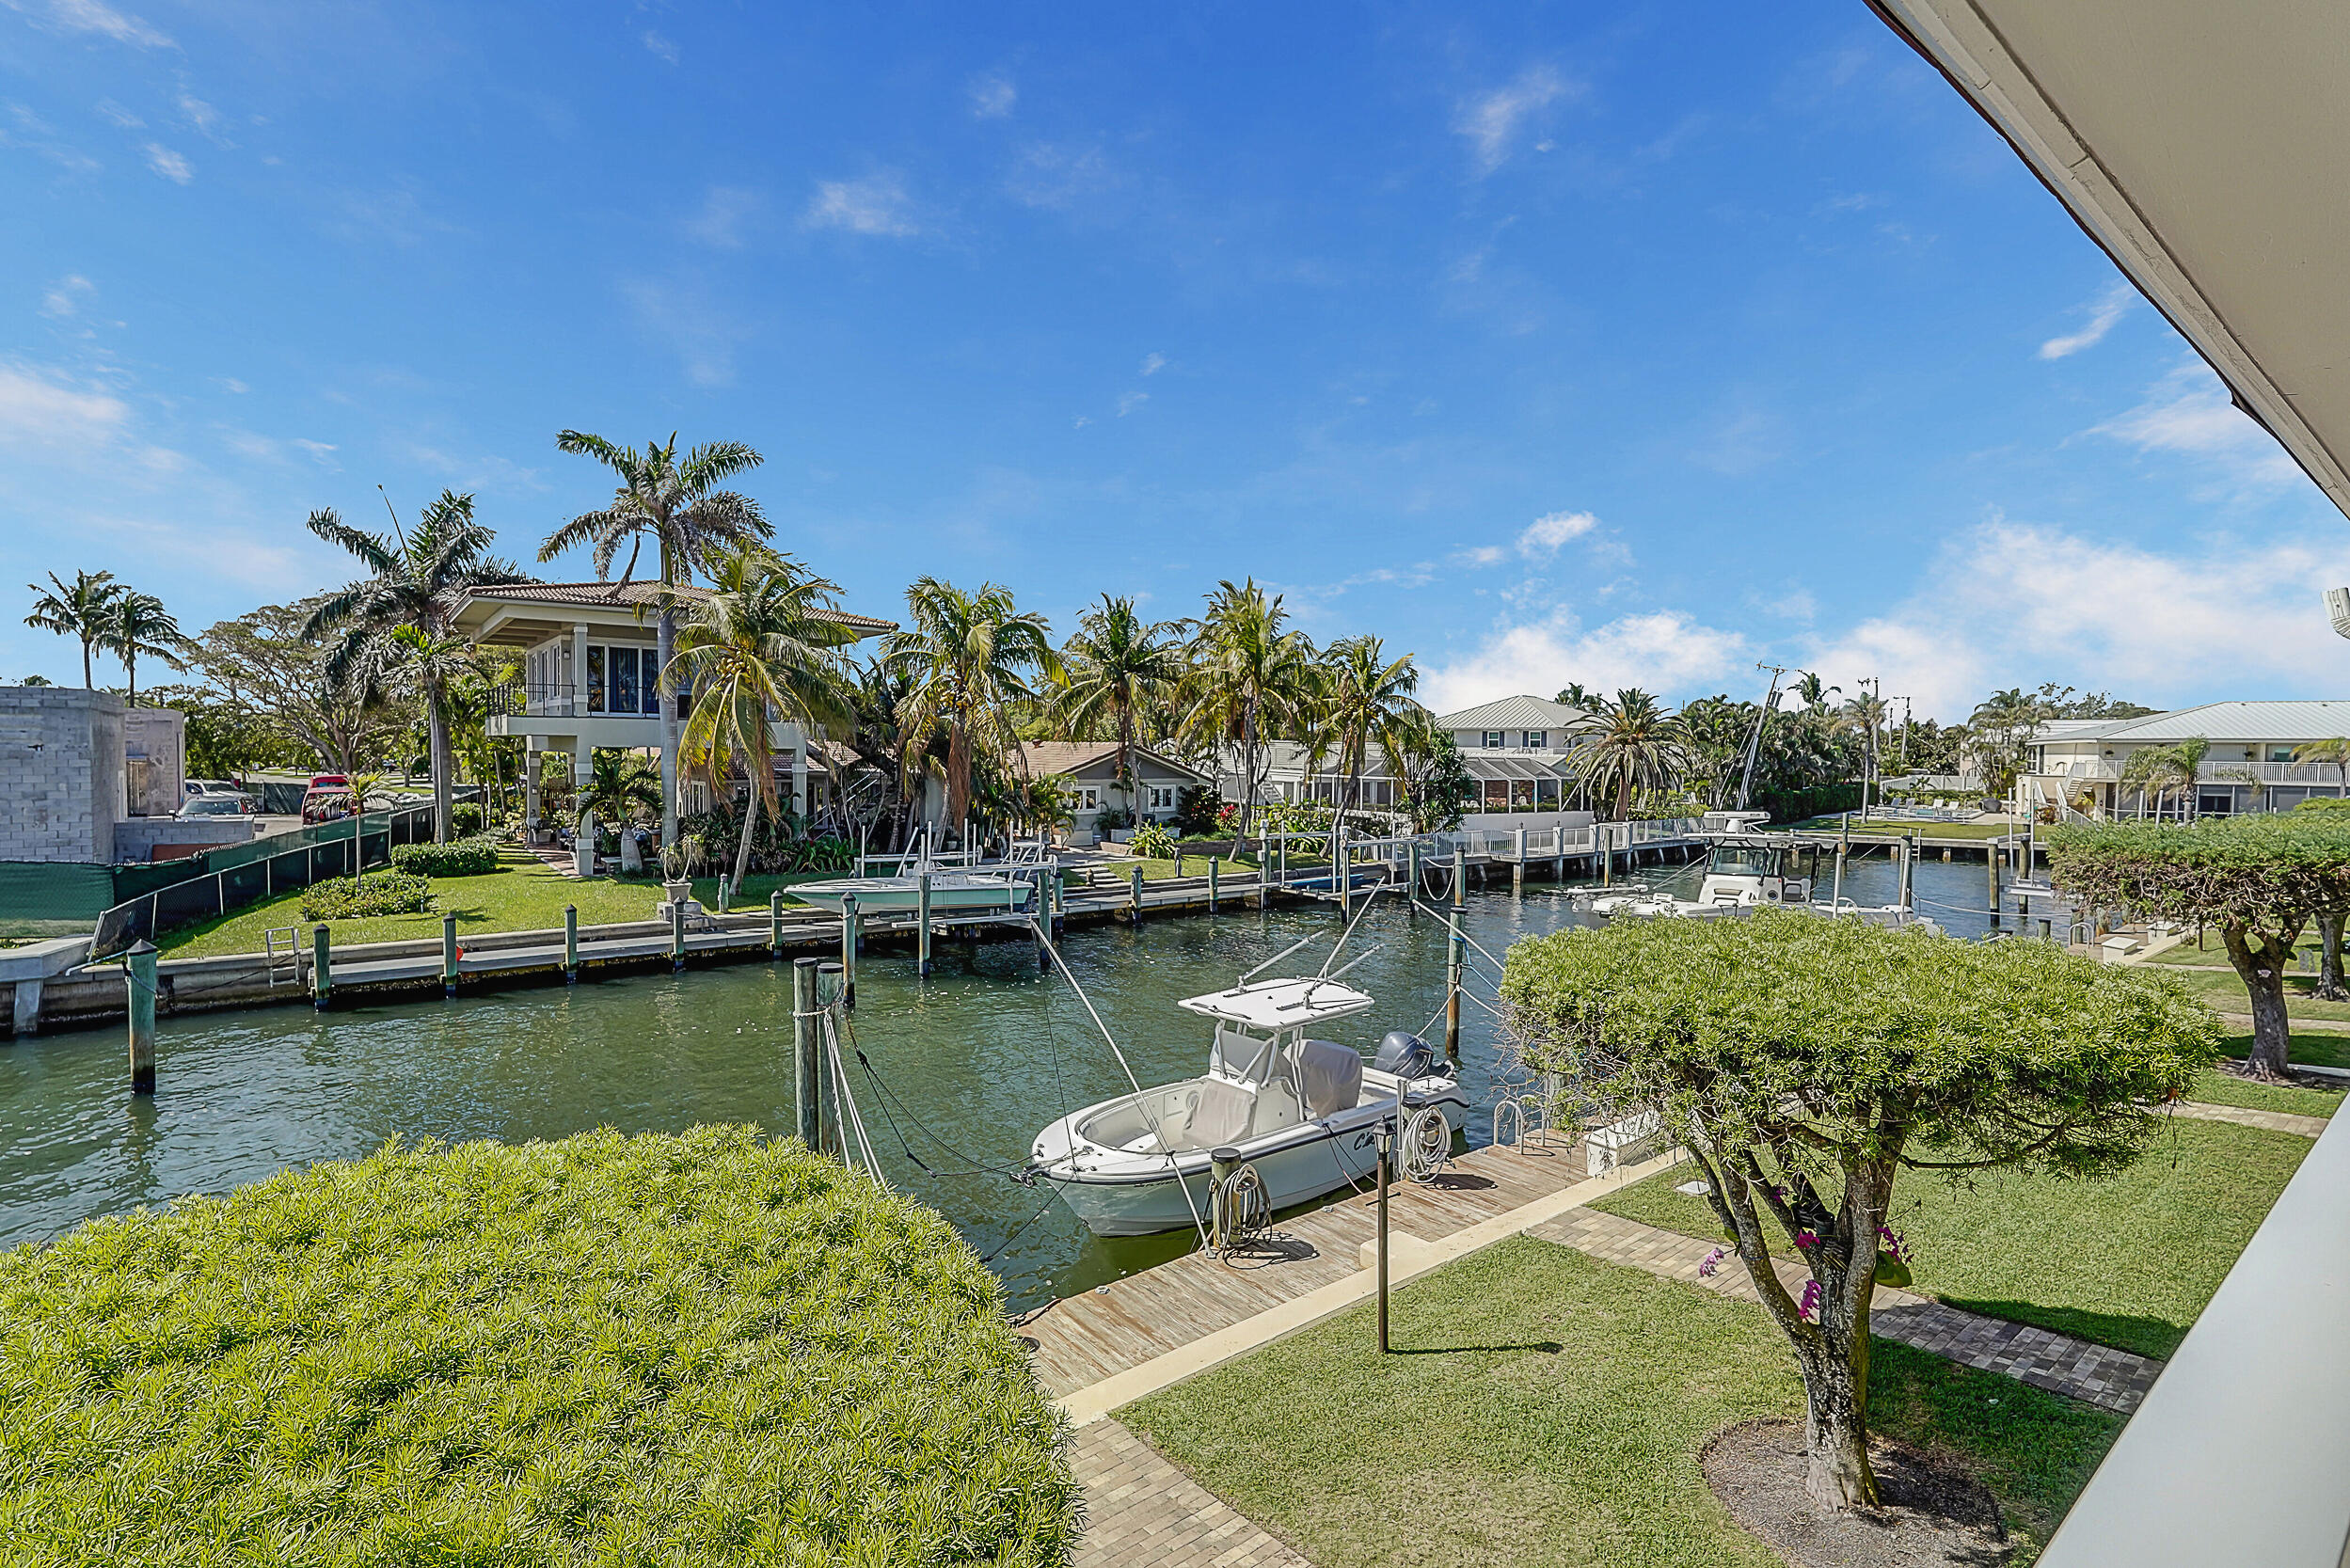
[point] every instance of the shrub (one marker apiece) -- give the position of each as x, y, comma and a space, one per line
705, 1348
464, 857
1155, 842
386, 892
465, 819
1198, 808
1113, 816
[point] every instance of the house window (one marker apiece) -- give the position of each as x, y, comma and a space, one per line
595, 679
2281, 754
623, 675
1088, 797
1493, 741
1162, 796
1497, 795
1537, 740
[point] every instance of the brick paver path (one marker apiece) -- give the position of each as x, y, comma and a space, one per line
2098, 1374
1141, 1511
2275, 1121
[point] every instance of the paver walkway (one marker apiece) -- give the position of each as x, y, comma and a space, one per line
2098, 1374
1141, 1511
2244, 1116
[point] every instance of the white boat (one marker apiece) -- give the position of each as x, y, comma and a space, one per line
1009, 884
1304, 1113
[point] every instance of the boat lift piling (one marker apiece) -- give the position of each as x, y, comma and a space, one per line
448, 956
571, 944
921, 927
1214, 881
1134, 907
322, 966
1455, 955
1386, 1139
852, 930
138, 970
1518, 866
676, 934
805, 1077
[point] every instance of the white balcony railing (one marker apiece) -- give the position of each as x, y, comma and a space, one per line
2107, 771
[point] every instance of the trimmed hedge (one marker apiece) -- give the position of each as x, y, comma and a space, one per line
706, 1348
385, 893
464, 857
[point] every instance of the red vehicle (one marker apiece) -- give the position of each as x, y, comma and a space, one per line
328, 798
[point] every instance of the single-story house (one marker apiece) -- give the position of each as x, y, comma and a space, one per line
1091, 768
2250, 766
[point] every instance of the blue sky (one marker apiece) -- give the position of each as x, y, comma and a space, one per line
1622, 344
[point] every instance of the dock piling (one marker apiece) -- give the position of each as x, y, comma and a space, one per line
852, 937
571, 944
775, 924
1455, 955
1214, 881
676, 934
831, 984
804, 1078
448, 955
139, 972
1518, 866
1387, 1140
1134, 879
322, 966
1411, 877
921, 927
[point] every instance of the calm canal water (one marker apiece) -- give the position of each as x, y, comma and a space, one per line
976, 1059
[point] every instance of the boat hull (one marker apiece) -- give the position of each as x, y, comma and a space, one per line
1296, 1164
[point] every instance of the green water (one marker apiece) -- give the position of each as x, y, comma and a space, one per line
977, 1059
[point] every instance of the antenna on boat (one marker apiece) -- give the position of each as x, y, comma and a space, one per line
1340, 945
1271, 961
1754, 741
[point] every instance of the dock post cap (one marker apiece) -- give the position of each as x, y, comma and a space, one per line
1227, 1154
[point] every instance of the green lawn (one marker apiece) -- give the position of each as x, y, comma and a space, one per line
2309, 1047
2128, 1261
523, 894
2214, 1087
2212, 953
1164, 870
1548, 1408
2224, 990
1931, 830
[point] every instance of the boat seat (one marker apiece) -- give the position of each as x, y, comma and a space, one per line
1223, 1114
1147, 1144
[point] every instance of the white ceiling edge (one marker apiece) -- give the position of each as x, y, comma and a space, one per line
1967, 48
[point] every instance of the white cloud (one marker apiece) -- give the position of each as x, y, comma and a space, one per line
1129, 402
323, 451
90, 16
1081, 421
1153, 363
2104, 311
1546, 533
874, 205
120, 115
170, 164
2189, 411
1666, 650
65, 298
680, 316
1492, 120
40, 413
202, 116
660, 47
2011, 603
1483, 554
229, 384
724, 212
992, 96
1051, 176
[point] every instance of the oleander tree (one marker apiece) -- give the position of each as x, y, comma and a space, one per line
2258, 879
1806, 1064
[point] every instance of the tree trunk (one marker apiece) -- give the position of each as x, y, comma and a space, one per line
1837, 1472
89, 682
666, 634
130, 669
2329, 981
1248, 768
750, 822
2258, 958
444, 795
958, 774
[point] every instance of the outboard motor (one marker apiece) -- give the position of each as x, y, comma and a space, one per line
1404, 1055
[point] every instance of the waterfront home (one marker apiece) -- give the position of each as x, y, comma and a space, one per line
590, 675
1091, 768
1519, 750
2077, 765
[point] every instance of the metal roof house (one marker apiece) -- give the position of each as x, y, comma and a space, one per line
2077, 764
590, 678
1519, 749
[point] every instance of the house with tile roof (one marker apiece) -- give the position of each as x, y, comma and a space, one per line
1091, 768
590, 675
2077, 764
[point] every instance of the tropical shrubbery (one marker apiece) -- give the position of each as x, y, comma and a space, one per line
1199, 810
464, 857
706, 1348
779, 843
349, 898
465, 819
1155, 841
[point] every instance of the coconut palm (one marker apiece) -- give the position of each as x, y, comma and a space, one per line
1115, 667
761, 647
416, 581
82, 610
1251, 678
1366, 700
1813, 693
2336, 750
1573, 694
694, 524
137, 624
361, 788
1630, 747
622, 787
968, 658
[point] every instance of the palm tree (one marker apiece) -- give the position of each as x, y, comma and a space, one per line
363, 788
137, 624
694, 524
1366, 699
82, 610
1814, 694
1573, 695
418, 580
760, 648
622, 786
1251, 678
1630, 746
967, 658
2336, 750
1115, 666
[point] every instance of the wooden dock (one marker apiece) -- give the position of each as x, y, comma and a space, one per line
1082, 1341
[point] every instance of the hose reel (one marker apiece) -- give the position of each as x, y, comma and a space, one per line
1239, 1204
1424, 1144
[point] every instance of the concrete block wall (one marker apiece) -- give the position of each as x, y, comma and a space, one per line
157, 737
62, 773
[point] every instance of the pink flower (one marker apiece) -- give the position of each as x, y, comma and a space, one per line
1711, 1263
1806, 1240
1811, 1300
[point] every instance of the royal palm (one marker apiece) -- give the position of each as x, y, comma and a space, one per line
693, 523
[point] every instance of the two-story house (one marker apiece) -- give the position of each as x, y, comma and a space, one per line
2247, 765
591, 677
1517, 749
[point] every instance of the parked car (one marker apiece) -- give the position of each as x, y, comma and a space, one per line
216, 803
211, 786
328, 798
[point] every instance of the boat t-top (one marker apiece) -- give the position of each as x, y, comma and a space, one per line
1304, 1113
1008, 884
